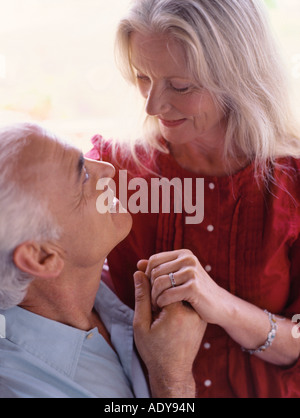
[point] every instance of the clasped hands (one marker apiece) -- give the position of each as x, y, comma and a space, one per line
169, 332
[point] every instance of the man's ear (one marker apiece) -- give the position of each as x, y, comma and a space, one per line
38, 260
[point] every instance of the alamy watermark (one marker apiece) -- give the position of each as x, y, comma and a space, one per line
171, 196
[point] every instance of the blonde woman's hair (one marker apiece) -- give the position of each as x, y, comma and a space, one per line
230, 51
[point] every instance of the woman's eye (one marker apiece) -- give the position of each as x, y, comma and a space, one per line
180, 89
143, 79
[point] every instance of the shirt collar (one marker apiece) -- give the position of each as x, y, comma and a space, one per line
57, 344
54, 343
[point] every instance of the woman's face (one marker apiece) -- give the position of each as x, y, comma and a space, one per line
185, 112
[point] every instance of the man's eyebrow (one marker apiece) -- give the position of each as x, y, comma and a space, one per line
80, 166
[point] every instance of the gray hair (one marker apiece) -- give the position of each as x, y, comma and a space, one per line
23, 216
230, 51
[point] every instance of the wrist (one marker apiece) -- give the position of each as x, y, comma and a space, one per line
172, 386
225, 313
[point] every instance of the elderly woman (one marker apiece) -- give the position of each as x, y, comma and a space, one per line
217, 109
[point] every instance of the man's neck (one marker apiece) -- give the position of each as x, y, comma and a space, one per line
68, 299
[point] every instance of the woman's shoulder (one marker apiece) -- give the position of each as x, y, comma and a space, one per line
112, 151
287, 181
137, 158
291, 161
288, 168
101, 148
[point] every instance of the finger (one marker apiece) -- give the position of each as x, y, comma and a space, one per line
169, 298
142, 265
162, 283
161, 258
143, 312
176, 267
176, 294
159, 286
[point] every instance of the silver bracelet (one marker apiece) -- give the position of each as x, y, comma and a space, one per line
271, 336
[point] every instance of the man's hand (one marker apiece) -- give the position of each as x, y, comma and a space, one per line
168, 342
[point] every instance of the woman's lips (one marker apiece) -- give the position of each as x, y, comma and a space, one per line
172, 123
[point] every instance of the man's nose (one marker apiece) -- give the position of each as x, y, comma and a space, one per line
103, 169
157, 102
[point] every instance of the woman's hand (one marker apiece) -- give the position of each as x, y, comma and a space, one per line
245, 323
168, 342
193, 284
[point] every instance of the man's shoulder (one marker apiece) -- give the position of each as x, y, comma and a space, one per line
5, 391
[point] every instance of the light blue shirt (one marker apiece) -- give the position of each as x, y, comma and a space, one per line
40, 358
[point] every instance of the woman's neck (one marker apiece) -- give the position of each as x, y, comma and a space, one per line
207, 160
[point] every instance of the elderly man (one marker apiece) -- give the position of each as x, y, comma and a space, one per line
63, 334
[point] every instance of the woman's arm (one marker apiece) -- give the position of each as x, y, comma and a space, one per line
250, 326
246, 324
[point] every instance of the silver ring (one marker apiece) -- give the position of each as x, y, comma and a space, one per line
171, 276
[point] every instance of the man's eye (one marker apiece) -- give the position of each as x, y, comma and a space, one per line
143, 78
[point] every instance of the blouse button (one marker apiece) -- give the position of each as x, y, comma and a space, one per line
208, 268
207, 383
210, 228
207, 346
90, 336
211, 186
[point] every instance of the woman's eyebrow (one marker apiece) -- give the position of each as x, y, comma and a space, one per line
181, 77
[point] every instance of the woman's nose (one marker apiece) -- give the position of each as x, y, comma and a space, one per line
156, 103
104, 169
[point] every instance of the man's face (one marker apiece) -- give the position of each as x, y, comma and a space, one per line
60, 174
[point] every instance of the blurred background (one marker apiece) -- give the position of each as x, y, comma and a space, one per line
57, 65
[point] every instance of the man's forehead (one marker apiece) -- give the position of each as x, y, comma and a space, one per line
44, 157
46, 149
47, 167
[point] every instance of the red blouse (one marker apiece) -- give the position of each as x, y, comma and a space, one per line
249, 242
